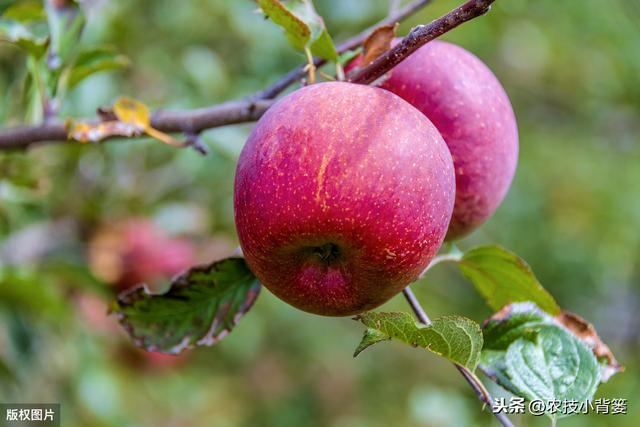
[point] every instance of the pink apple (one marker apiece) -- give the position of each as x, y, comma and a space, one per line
470, 108
343, 194
137, 251
152, 256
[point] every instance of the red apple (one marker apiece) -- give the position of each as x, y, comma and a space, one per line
137, 251
470, 108
152, 256
343, 194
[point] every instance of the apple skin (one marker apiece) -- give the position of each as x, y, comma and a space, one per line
470, 108
343, 194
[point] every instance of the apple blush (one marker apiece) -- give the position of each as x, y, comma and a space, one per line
470, 108
343, 194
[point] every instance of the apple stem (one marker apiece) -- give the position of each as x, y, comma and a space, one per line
469, 376
339, 72
311, 66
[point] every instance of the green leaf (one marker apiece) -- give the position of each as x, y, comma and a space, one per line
304, 28
555, 366
94, 60
66, 25
453, 337
25, 12
33, 38
24, 24
370, 337
531, 354
323, 47
200, 308
493, 365
297, 31
513, 322
502, 278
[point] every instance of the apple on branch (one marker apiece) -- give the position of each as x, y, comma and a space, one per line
472, 111
343, 194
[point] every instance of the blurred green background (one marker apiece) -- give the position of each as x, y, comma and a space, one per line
572, 70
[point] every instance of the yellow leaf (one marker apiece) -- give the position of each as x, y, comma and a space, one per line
133, 112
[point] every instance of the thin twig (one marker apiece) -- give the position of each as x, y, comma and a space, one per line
415, 305
419, 36
474, 382
252, 109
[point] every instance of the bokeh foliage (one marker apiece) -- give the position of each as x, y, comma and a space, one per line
573, 213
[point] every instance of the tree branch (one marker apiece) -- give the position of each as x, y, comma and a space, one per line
474, 382
193, 121
197, 120
420, 36
188, 121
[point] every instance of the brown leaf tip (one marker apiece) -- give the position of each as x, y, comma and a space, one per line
587, 334
378, 43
